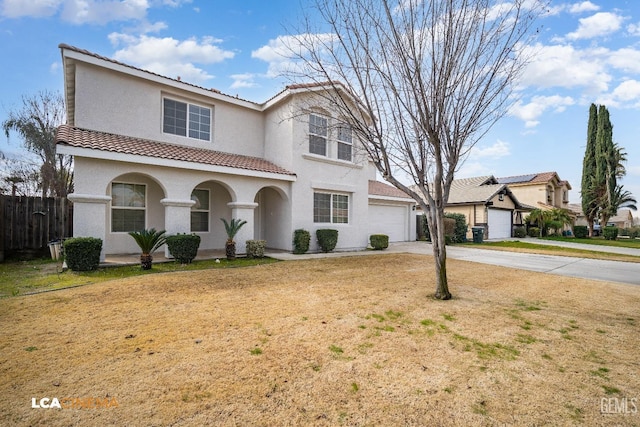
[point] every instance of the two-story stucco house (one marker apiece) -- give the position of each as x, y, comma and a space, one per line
153, 151
539, 190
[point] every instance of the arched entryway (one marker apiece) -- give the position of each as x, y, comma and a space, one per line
272, 218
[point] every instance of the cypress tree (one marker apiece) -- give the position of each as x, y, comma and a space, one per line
589, 196
606, 165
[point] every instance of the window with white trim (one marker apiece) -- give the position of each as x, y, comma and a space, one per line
344, 142
128, 207
318, 135
330, 208
183, 119
200, 211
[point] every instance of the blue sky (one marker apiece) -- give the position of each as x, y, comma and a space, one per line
587, 52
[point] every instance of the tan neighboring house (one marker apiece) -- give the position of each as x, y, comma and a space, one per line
541, 190
624, 219
486, 203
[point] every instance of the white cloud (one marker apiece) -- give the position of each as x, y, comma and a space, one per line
626, 59
245, 80
597, 25
283, 52
32, 8
495, 151
530, 112
626, 94
564, 66
170, 57
472, 169
55, 67
585, 6
85, 11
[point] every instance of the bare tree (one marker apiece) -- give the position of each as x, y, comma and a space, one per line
36, 123
431, 78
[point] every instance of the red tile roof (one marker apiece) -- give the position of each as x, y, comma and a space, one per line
377, 188
83, 138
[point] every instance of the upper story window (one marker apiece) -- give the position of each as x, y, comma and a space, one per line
128, 207
181, 118
344, 142
317, 135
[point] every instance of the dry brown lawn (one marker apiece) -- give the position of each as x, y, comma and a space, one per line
342, 341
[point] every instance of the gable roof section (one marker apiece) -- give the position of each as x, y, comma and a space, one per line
377, 188
534, 178
475, 190
82, 138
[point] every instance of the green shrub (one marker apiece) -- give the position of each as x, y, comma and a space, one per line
450, 228
82, 253
379, 241
610, 233
327, 239
255, 248
534, 232
183, 247
581, 231
301, 239
519, 232
425, 228
460, 230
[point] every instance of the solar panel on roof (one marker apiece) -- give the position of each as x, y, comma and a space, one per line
515, 179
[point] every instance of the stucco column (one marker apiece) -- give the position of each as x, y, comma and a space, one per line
90, 216
177, 217
240, 210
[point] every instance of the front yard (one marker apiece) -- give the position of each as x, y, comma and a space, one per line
340, 341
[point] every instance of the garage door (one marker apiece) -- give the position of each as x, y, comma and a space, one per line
390, 220
499, 224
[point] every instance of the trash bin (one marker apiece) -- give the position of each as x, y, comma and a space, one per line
478, 234
55, 247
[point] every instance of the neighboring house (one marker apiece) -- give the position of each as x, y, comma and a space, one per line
486, 203
152, 151
541, 190
624, 219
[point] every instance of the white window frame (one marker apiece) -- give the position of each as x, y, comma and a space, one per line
313, 127
195, 209
190, 112
121, 208
333, 217
342, 140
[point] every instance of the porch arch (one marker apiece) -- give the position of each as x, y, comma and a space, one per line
272, 217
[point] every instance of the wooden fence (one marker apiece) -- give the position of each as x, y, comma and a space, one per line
30, 223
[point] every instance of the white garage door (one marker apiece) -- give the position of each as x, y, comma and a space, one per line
390, 220
499, 224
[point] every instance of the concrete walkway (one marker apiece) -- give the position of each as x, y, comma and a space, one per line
614, 271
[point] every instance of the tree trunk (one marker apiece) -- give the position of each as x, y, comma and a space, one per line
146, 261
438, 243
230, 249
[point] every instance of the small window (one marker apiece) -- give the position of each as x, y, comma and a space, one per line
330, 208
128, 207
180, 116
344, 142
200, 211
317, 135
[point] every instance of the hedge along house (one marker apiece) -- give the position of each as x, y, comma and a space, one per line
152, 151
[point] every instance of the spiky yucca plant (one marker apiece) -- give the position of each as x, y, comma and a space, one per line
149, 241
232, 229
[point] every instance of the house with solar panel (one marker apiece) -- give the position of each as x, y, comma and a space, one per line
152, 151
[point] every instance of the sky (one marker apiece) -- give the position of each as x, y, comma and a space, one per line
587, 52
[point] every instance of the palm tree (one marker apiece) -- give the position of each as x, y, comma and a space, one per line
620, 198
149, 241
558, 218
232, 229
538, 217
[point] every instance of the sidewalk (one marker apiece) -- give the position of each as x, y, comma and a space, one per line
583, 246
